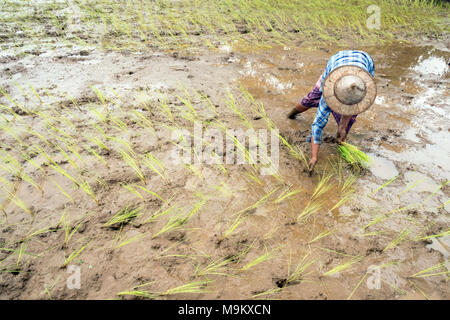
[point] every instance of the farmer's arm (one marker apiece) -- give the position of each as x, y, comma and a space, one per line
320, 121
314, 151
342, 128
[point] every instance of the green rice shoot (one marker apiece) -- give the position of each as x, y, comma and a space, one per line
352, 155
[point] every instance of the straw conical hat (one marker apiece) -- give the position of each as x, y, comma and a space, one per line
349, 90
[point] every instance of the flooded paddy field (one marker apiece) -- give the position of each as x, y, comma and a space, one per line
89, 181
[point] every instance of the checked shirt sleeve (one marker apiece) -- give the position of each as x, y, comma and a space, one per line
320, 121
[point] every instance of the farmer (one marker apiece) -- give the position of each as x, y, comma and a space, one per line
345, 89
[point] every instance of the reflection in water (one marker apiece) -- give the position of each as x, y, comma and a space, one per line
430, 108
432, 66
382, 168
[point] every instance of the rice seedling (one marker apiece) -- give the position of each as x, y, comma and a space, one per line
197, 206
119, 124
253, 177
174, 223
321, 235
357, 286
322, 187
68, 230
161, 213
214, 267
411, 186
347, 186
244, 155
49, 288
123, 216
267, 292
384, 185
161, 254
294, 151
270, 233
130, 161
61, 189
18, 202
341, 267
382, 217
74, 254
299, 273
40, 231
155, 165
288, 193
401, 237
167, 112
263, 258
234, 225
231, 104
144, 122
315, 204
352, 155
139, 293
311, 208
122, 142
191, 287
19, 255
132, 190
224, 189
11, 165
220, 166
195, 171
435, 270
20, 252
433, 236
152, 193
84, 185
97, 142
259, 202
418, 289
95, 154
395, 288
341, 202
209, 104
188, 112
67, 157
120, 242
443, 205
434, 192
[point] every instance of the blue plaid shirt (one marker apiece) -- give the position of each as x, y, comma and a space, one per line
342, 58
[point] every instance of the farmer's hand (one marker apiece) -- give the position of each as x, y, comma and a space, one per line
311, 165
341, 136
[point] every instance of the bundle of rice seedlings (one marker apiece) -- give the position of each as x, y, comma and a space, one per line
352, 155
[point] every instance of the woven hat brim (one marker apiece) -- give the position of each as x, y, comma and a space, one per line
346, 109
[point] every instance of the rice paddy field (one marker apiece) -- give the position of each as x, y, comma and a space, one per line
91, 93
